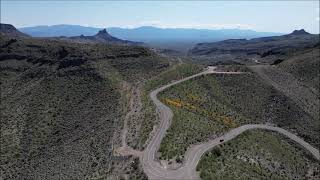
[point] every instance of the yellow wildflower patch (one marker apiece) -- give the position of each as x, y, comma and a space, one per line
228, 121
179, 103
193, 97
176, 103
189, 106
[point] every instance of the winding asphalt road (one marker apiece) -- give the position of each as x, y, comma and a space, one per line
153, 168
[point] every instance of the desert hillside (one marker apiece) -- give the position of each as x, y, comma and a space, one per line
63, 105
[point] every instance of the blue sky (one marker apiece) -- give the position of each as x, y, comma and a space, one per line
272, 16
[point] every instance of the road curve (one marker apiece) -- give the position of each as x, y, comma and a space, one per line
155, 171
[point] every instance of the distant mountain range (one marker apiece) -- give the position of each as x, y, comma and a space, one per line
60, 30
102, 36
296, 39
149, 33
145, 33
265, 49
174, 38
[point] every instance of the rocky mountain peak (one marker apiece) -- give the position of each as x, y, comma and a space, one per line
299, 32
103, 32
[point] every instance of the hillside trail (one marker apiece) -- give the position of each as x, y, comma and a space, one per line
135, 107
155, 171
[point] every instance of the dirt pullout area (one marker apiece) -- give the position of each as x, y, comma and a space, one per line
302, 95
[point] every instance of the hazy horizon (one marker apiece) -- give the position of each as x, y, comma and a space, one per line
266, 16
153, 26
